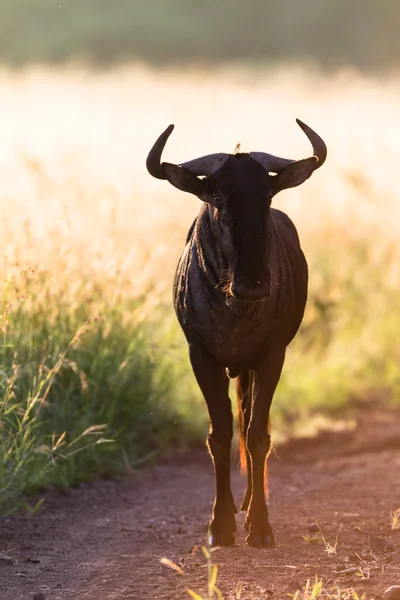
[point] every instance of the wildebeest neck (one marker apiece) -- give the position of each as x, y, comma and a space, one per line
211, 258
218, 272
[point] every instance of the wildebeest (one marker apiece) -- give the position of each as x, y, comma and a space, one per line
240, 291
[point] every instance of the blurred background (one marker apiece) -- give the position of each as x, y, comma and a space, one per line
362, 33
94, 366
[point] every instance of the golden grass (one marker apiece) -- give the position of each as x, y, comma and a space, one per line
73, 146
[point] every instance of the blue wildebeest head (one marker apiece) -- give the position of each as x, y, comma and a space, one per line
238, 189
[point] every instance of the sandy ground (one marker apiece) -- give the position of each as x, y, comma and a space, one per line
105, 541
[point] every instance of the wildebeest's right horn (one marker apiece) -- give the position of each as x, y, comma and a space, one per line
153, 162
205, 165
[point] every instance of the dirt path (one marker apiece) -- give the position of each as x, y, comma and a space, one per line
105, 541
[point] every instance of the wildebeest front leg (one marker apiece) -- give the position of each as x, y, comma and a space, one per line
266, 378
214, 384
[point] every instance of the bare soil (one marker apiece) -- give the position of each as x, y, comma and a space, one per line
105, 541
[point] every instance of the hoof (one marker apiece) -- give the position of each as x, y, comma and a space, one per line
260, 540
221, 539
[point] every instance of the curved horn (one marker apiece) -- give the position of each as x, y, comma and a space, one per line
153, 162
318, 144
276, 164
205, 165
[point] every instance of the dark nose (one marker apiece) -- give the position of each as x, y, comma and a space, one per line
249, 292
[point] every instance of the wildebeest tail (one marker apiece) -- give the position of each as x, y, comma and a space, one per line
244, 398
241, 391
266, 486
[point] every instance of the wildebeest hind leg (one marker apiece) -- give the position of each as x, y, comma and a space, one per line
214, 383
266, 378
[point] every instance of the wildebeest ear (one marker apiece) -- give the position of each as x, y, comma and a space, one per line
295, 174
184, 180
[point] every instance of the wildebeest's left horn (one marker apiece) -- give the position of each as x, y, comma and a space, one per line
275, 164
272, 163
153, 162
318, 144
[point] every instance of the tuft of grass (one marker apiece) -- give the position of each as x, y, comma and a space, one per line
319, 538
314, 538
312, 591
329, 549
395, 520
212, 572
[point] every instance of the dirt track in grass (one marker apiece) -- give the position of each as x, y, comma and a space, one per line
105, 541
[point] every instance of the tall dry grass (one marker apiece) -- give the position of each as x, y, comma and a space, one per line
87, 233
